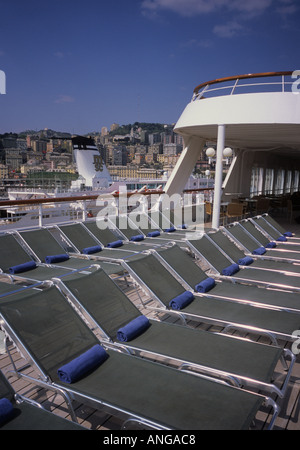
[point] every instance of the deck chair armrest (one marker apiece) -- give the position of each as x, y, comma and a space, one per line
252, 330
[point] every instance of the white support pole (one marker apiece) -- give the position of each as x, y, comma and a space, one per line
218, 177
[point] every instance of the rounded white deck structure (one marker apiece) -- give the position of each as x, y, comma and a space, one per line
270, 120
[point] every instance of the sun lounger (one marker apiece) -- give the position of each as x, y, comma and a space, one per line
122, 323
55, 339
19, 413
252, 245
148, 226
188, 217
178, 221
131, 232
285, 239
181, 218
279, 228
17, 263
45, 248
223, 304
224, 267
230, 248
137, 227
281, 244
122, 229
87, 234
186, 270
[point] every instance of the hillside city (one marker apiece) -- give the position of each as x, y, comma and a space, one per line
45, 158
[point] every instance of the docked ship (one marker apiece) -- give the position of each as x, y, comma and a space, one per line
94, 177
94, 181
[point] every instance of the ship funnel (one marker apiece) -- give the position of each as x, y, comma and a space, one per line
89, 162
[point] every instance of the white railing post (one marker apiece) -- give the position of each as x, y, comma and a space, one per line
84, 215
40, 215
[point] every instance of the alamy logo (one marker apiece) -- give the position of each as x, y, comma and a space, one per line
296, 83
98, 163
137, 211
295, 345
2, 82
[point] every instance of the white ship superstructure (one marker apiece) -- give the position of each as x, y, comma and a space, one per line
258, 116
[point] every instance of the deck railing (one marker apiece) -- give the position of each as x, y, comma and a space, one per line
42, 211
249, 83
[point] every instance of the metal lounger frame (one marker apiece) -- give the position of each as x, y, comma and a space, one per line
288, 355
70, 394
272, 334
246, 280
278, 256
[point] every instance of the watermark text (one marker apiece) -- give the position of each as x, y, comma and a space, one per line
146, 212
296, 83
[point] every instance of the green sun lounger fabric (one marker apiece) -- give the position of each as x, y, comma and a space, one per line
232, 250
220, 262
277, 226
44, 244
192, 274
219, 303
81, 238
251, 244
12, 254
55, 334
113, 311
264, 240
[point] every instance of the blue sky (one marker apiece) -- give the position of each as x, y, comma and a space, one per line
75, 66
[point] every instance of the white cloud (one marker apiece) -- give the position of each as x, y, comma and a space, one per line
250, 7
182, 7
59, 54
204, 43
287, 9
189, 8
227, 30
64, 99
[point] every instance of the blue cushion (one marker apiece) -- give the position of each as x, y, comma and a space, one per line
6, 410
281, 239
133, 329
288, 234
259, 251
22, 267
170, 230
205, 285
230, 270
271, 245
56, 258
153, 234
91, 250
246, 261
181, 300
82, 365
115, 244
138, 237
